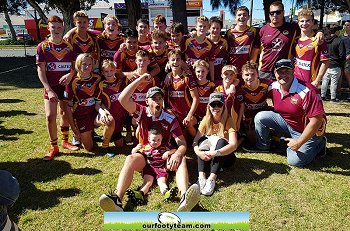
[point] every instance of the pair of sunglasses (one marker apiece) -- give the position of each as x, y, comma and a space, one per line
216, 104
277, 12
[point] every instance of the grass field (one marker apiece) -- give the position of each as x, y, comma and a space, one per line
63, 194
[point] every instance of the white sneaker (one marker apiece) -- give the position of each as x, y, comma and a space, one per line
189, 199
75, 141
201, 183
208, 188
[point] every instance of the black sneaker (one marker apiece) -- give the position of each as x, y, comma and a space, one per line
324, 149
111, 203
189, 199
254, 149
107, 151
170, 194
136, 197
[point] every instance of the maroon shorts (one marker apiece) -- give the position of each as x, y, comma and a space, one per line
59, 90
156, 172
85, 123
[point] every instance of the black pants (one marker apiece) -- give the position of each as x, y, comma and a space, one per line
218, 162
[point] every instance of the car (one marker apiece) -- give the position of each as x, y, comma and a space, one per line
25, 37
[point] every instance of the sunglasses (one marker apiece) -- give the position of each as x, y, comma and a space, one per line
216, 104
277, 12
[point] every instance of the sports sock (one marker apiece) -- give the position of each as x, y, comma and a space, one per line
65, 133
54, 143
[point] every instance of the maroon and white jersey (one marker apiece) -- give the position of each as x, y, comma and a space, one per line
221, 55
106, 48
167, 122
195, 50
204, 91
276, 44
308, 57
57, 57
179, 96
255, 99
154, 156
302, 103
125, 60
139, 95
240, 44
81, 45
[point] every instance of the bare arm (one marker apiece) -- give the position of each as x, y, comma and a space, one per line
254, 54
323, 68
155, 70
211, 70
43, 79
194, 105
176, 158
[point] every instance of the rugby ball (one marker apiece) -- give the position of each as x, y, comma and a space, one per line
168, 218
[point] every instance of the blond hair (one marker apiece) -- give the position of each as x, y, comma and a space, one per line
202, 19
113, 18
249, 65
228, 68
80, 14
306, 12
80, 59
108, 63
201, 63
208, 119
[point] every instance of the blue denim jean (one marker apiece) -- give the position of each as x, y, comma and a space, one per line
266, 120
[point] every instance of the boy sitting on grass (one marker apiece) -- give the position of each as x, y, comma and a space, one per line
156, 155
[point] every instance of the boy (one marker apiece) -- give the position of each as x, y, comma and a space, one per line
311, 59
54, 59
177, 37
156, 155
142, 28
159, 52
201, 47
159, 23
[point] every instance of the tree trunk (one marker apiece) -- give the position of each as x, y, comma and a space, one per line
36, 7
37, 26
320, 25
179, 12
68, 12
267, 4
9, 23
133, 7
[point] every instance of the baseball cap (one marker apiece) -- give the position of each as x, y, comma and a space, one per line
9, 190
154, 90
287, 63
216, 97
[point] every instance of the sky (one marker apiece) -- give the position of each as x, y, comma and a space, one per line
258, 9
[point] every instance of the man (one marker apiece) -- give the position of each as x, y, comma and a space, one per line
346, 39
298, 114
152, 115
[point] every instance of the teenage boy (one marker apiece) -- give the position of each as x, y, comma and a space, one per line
144, 36
159, 52
159, 23
177, 37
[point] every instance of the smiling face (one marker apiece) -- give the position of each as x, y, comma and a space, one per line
86, 67
285, 77
242, 17
142, 28
142, 62
306, 23
109, 73
216, 108
155, 140
202, 28
175, 62
158, 45
250, 77
176, 37
111, 27
155, 104
81, 23
201, 73
229, 76
215, 29
159, 26
131, 44
55, 29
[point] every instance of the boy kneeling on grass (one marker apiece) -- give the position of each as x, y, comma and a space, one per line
156, 155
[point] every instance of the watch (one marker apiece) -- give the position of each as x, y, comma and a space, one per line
218, 153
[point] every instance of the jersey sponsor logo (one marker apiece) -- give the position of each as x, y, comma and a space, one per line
87, 102
107, 53
255, 106
114, 97
203, 99
277, 44
303, 64
218, 61
293, 100
285, 32
59, 66
239, 50
177, 94
139, 97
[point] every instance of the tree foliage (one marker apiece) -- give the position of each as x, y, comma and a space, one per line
11, 7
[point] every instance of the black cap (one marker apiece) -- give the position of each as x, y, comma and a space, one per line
154, 90
287, 63
216, 97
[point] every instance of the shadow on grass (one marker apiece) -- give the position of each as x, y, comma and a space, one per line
11, 100
338, 114
8, 134
36, 170
15, 113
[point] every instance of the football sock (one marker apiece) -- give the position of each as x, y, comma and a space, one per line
65, 133
54, 142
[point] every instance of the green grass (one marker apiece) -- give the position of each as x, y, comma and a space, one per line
63, 194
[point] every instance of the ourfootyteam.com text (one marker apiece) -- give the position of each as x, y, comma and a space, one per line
176, 226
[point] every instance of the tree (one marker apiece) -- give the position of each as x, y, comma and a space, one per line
10, 7
37, 8
179, 12
133, 8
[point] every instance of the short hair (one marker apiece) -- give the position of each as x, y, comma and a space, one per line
202, 19
334, 28
177, 27
131, 33
306, 12
54, 18
80, 14
229, 68
142, 20
80, 59
142, 53
120, 27
249, 65
278, 3
201, 63
174, 52
159, 19
216, 19
154, 131
243, 8
108, 63
159, 35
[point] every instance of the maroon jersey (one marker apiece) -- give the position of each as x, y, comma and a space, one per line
276, 44
82, 92
57, 57
81, 45
144, 45
125, 60
166, 122
108, 93
179, 97
240, 44
302, 103
255, 99
139, 95
195, 50
162, 60
308, 57
221, 55
204, 91
181, 46
106, 47
154, 155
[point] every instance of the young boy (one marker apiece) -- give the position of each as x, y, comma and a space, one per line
311, 59
159, 23
220, 47
177, 37
144, 36
159, 52
156, 155
255, 92
201, 47
54, 59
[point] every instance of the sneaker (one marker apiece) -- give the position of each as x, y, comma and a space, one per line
53, 151
67, 145
201, 183
136, 197
170, 194
96, 137
209, 187
128, 137
107, 151
323, 151
189, 199
254, 149
335, 100
75, 141
111, 203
